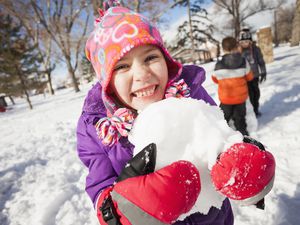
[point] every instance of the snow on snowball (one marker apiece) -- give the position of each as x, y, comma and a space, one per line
186, 129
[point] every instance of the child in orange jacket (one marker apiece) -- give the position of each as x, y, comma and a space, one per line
231, 74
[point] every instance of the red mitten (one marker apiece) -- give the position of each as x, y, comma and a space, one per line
159, 197
245, 172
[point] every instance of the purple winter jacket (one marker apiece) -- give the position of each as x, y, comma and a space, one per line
105, 163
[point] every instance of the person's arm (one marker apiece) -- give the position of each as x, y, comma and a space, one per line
203, 95
194, 76
127, 201
103, 171
249, 74
262, 65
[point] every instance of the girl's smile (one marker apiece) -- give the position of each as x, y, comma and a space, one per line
145, 92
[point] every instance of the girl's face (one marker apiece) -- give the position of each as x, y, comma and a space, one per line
245, 43
140, 77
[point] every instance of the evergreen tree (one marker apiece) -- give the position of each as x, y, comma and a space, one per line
19, 61
195, 32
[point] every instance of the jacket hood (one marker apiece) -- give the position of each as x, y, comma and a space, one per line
93, 102
232, 61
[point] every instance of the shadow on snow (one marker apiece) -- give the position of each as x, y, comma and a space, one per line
288, 208
279, 105
9, 184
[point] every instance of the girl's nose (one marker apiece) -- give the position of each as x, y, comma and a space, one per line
141, 72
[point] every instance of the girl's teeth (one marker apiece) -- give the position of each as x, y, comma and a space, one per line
145, 93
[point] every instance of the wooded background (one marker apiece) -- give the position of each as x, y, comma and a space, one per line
36, 35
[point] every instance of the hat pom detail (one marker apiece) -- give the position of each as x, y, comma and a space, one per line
106, 5
110, 3
178, 89
110, 129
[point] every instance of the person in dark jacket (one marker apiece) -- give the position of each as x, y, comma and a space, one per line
255, 58
134, 69
231, 74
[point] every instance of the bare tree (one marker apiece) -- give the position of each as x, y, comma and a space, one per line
66, 23
240, 10
191, 27
296, 26
153, 9
283, 24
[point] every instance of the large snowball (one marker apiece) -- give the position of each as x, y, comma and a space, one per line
186, 129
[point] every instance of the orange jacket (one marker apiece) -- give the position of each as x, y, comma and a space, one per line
231, 74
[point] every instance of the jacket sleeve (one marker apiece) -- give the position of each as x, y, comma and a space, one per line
261, 62
194, 76
249, 74
102, 161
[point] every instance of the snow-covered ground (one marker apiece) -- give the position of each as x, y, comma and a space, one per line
42, 179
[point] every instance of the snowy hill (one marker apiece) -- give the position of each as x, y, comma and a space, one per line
42, 179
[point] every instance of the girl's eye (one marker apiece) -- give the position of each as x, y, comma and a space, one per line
121, 67
151, 57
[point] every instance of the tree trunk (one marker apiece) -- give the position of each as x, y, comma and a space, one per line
296, 26
47, 66
218, 51
276, 42
236, 18
236, 28
11, 100
191, 31
137, 6
28, 99
49, 84
23, 86
25, 91
72, 76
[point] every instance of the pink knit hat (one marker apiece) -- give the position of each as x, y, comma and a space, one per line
117, 31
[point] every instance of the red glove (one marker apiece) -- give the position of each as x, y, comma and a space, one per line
245, 172
155, 198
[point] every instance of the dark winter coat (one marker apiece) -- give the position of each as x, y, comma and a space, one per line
256, 60
105, 163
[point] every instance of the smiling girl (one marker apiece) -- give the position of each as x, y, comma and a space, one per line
134, 69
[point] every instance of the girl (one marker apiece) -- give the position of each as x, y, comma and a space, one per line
134, 70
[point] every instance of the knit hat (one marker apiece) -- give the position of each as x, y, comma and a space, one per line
245, 34
117, 31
